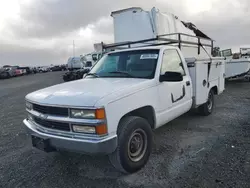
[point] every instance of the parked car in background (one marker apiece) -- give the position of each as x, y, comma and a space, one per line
4, 73
56, 68
20, 71
74, 75
27, 70
43, 69
8, 71
34, 70
64, 67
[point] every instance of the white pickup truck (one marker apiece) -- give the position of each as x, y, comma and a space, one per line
127, 94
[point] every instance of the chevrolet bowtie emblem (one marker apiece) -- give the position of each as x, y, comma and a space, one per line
43, 116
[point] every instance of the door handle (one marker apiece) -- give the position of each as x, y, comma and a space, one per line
188, 83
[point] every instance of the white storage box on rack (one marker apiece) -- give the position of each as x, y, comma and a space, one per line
134, 24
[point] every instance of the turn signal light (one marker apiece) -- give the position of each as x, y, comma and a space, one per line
101, 129
100, 113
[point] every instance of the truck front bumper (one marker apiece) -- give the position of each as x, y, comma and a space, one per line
101, 146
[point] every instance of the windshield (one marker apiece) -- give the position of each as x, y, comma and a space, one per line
136, 64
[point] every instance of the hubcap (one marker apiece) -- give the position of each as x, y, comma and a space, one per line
210, 102
137, 145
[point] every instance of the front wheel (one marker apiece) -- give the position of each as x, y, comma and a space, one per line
7, 75
207, 108
134, 145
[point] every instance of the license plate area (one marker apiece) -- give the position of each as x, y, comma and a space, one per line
41, 144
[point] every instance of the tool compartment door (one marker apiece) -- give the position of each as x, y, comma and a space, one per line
217, 75
208, 75
201, 89
222, 77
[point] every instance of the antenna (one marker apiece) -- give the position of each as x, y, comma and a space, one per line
73, 48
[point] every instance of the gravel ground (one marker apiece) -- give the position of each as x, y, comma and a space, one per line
191, 151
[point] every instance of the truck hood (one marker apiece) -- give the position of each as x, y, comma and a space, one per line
84, 92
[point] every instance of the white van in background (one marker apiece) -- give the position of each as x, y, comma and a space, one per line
75, 63
90, 59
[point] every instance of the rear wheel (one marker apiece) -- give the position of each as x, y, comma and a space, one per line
207, 108
134, 145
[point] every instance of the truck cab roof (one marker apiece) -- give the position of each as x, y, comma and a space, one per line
144, 48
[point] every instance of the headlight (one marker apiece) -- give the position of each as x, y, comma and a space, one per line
87, 114
28, 105
84, 114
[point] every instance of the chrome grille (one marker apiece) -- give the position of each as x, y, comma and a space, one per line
51, 110
52, 124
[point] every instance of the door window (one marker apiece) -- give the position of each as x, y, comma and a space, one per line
171, 62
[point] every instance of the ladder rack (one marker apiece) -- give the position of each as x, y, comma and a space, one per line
159, 40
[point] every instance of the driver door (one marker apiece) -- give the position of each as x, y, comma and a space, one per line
175, 97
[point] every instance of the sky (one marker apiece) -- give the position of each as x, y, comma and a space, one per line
41, 32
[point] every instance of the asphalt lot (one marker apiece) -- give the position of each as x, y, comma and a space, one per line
191, 151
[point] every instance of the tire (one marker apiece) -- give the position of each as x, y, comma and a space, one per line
207, 108
7, 75
65, 79
129, 129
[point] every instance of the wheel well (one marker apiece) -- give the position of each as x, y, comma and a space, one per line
146, 112
215, 89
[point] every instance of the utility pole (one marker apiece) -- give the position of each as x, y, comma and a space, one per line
73, 48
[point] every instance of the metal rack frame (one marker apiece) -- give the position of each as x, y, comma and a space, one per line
164, 41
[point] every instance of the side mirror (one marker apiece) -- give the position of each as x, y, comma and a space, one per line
171, 77
85, 72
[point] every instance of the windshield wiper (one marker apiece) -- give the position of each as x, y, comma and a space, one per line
93, 74
121, 72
